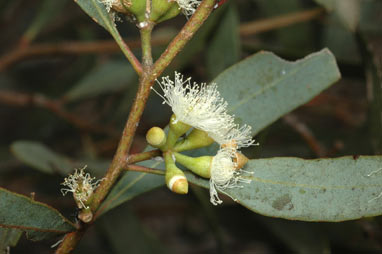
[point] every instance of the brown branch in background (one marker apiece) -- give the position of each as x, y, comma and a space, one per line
110, 46
69, 48
268, 24
24, 100
306, 134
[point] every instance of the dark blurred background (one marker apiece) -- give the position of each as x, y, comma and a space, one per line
66, 89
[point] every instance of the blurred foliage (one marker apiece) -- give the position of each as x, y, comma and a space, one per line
95, 87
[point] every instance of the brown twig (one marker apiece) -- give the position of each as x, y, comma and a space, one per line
306, 134
134, 158
24, 100
138, 168
268, 24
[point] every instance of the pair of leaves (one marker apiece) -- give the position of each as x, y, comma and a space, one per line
267, 87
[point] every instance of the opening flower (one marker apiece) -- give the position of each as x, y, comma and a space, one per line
188, 7
82, 185
224, 174
202, 107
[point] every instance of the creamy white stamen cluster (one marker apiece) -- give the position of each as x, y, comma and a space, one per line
188, 7
81, 184
224, 174
202, 107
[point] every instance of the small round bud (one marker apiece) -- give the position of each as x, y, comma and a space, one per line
156, 137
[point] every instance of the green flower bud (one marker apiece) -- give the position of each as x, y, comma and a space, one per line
177, 129
196, 139
156, 137
200, 165
176, 181
160, 10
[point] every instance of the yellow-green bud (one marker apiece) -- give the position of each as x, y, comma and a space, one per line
156, 137
196, 139
200, 165
160, 10
176, 181
177, 129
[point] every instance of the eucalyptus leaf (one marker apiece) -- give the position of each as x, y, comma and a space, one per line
97, 11
9, 237
129, 232
109, 77
339, 189
40, 157
224, 49
133, 184
263, 87
47, 11
37, 219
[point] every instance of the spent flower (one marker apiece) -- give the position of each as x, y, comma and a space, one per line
82, 185
224, 174
188, 7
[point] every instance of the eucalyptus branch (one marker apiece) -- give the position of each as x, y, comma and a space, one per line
143, 169
147, 78
134, 158
180, 40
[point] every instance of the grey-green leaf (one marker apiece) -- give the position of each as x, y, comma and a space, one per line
133, 184
38, 156
37, 219
97, 11
109, 77
264, 87
339, 189
224, 49
9, 237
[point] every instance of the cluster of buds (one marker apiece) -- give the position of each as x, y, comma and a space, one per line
153, 11
201, 113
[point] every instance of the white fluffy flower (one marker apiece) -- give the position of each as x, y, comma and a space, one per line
81, 184
202, 107
224, 174
188, 7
